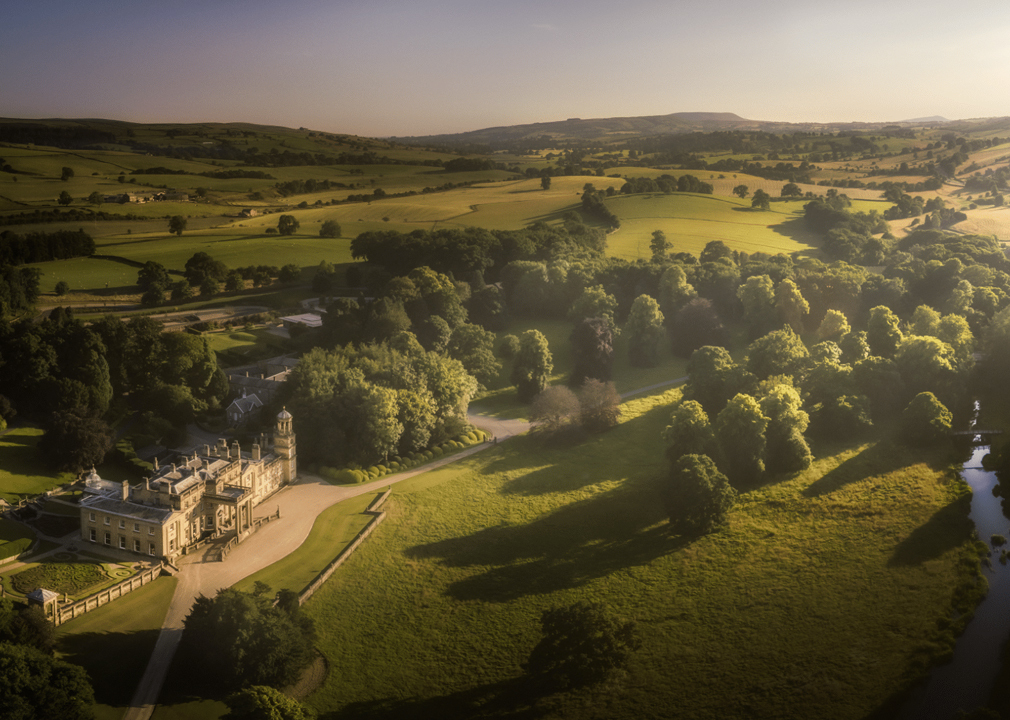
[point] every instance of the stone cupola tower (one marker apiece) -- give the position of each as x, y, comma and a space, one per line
284, 445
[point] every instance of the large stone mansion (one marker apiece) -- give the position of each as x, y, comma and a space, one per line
202, 495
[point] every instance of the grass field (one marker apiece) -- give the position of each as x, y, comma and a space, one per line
114, 643
22, 472
692, 221
822, 598
239, 347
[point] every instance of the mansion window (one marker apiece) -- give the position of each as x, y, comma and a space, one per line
136, 527
150, 530
122, 524
91, 517
136, 546
150, 549
122, 542
94, 535
108, 538
107, 519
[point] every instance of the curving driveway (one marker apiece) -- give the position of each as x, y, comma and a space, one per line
299, 504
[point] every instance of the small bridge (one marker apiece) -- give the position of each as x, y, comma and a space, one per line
976, 432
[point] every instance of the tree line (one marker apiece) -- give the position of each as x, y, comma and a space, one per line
34, 247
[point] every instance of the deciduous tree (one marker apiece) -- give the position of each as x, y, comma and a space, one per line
659, 246
698, 496
761, 200
533, 365
740, 433
581, 645
330, 229
926, 421
592, 350
689, 432
287, 224
37, 686
645, 332
599, 405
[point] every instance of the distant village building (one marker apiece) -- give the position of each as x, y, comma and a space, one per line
309, 320
265, 379
243, 409
248, 213
202, 495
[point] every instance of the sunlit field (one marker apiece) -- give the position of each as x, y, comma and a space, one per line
692, 221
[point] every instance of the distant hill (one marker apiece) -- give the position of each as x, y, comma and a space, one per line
609, 130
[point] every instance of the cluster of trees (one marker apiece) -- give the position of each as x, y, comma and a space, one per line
66, 375
462, 252
559, 413
33, 682
236, 640
378, 400
36, 247
801, 172
209, 276
594, 206
738, 421
309, 185
19, 289
666, 184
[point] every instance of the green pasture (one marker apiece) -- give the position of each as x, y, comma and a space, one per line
334, 529
239, 347
15, 538
114, 643
829, 591
23, 473
692, 221
234, 246
88, 274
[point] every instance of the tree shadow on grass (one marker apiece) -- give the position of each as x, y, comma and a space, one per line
517, 699
114, 661
877, 460
567, 548
944, 531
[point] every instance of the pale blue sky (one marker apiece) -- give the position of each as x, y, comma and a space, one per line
419, 66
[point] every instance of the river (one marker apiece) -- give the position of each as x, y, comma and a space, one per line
966, 681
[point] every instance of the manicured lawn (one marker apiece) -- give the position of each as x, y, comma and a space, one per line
827, 593
114, 643
15, 538
22, 472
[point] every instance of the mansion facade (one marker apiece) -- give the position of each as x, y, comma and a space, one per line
201, 495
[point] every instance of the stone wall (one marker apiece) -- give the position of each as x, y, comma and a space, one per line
322, 577
65, 613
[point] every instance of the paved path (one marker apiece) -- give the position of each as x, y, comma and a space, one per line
299, 504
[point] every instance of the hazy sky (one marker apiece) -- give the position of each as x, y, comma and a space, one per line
415, 67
